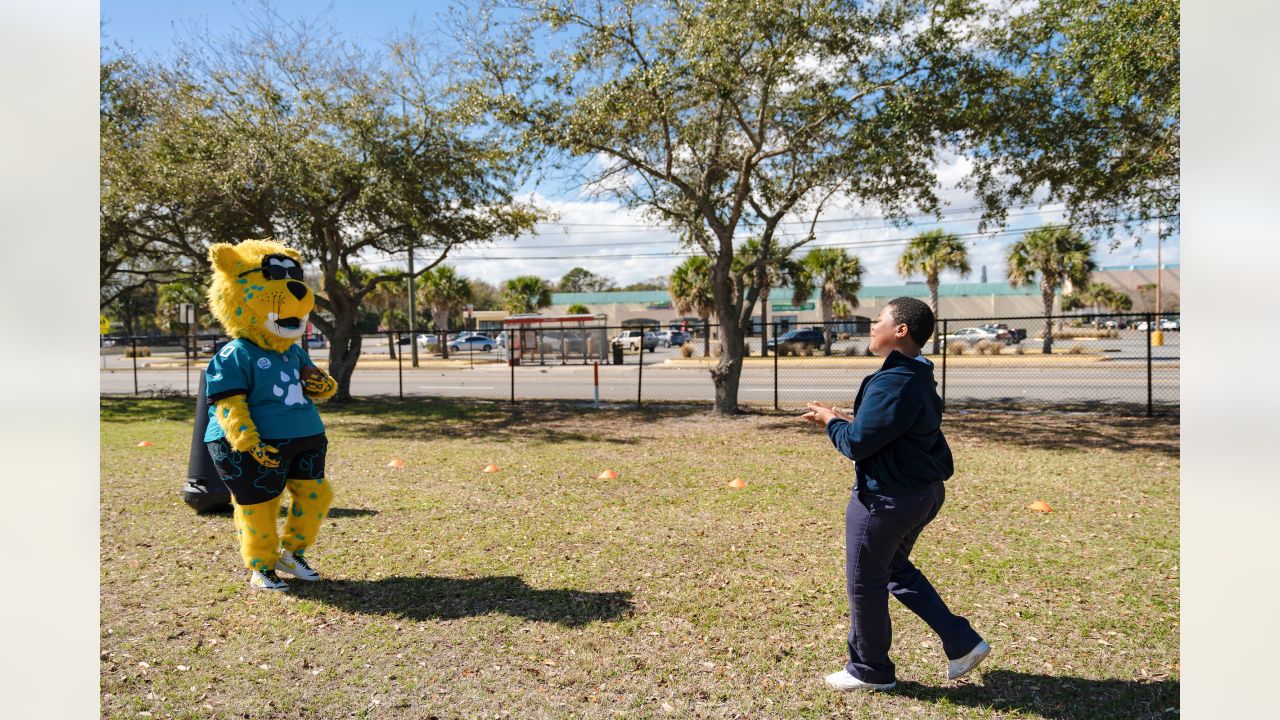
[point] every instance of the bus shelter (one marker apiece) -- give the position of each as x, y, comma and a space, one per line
562, 339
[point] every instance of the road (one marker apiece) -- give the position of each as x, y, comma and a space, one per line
1113, 380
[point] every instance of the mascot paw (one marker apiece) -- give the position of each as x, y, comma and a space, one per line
265, 455
316, 382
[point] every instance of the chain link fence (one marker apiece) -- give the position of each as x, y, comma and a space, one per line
1129, 362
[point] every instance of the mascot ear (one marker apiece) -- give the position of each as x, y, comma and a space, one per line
224, 257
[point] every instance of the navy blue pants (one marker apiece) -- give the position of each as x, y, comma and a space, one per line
879, 532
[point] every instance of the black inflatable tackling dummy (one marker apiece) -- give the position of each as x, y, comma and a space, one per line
204, 491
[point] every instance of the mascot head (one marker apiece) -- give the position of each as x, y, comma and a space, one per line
257, 292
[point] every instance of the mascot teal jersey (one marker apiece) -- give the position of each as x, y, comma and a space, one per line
272, 382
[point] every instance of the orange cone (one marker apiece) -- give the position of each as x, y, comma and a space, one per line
491, 468
737, 483
396, 463
1040, 506
145, 443
608, 474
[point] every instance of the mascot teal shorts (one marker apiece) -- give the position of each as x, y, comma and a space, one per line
251, 483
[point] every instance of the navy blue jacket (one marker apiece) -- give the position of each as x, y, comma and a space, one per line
895, 439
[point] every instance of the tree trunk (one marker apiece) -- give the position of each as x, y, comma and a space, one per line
441, 320
728, 371
1046, 294
933, 305
344, 353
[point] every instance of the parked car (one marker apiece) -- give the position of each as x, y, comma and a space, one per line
1006, 334
1170, 324
634, 339
806, 337
316, 340
673, 338
1116, 323
971, 335
483, 343
425, 339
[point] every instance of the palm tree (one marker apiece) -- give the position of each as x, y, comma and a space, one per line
779, 272
445, 292
930, 253
1057, 255
838, 275
690, 288
1098, 295
526, 294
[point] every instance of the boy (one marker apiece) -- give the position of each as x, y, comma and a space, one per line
901, 460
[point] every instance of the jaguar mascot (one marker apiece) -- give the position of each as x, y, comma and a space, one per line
264, 433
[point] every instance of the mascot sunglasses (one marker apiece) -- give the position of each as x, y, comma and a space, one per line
277, 267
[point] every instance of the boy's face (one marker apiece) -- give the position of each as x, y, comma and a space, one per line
886, 332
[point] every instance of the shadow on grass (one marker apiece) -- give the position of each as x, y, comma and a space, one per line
445, 598
1060, 426
1054, 696
284, 511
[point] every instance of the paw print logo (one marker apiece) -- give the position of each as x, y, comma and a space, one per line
292, 392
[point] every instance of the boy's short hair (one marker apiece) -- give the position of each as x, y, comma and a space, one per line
916, 315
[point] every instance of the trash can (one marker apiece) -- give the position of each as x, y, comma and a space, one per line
204, 491
617, 353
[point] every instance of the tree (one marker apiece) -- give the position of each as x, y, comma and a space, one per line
1055, 254
579, 309
446, 293
1082, 99
657, 282
930, 253
838, 277
1097, 295
690, 288
583, 280
285, 131
526, 294
778, 272
484, 295
719, 116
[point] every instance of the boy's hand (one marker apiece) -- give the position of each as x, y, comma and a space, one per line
820, 414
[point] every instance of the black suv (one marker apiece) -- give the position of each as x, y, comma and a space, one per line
805, 338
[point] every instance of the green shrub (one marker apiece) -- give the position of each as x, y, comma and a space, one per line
142, 351
686, 350
957, 347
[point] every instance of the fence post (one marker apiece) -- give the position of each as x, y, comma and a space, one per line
706, 338
512, 362
134, 344
399, 362
1150, 324
640, 372
944, 364
775, 369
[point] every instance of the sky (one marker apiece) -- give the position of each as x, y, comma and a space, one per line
589, 231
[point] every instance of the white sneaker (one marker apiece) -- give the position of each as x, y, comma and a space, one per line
296, 566
845, 682
958, 668
267, 580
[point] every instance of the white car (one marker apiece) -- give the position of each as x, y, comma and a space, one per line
1170, 324
971, 335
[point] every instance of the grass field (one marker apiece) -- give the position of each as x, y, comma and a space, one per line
541, 591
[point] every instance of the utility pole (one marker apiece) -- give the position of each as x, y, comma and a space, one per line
1159, 269
413, 332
